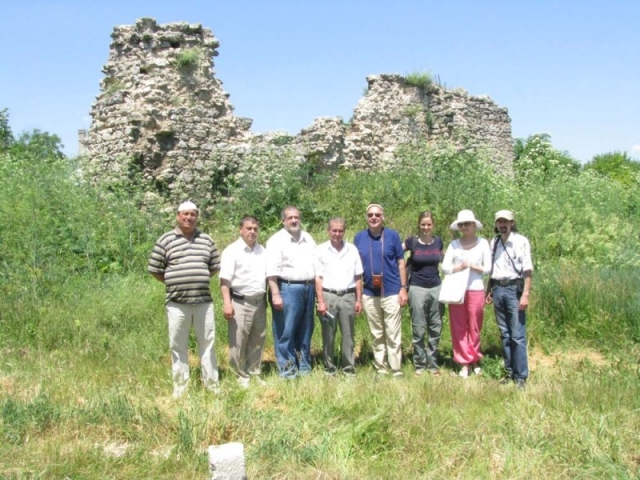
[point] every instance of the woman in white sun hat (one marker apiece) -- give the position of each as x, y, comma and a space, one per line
472, 252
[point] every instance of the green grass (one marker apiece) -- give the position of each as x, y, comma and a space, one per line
58, 419
422, 80
91, 392
85, 388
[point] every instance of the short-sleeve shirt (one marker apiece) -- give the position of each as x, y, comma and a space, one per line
424, 262
245, 268
380, 255
519, 249
291, 259
338, 269
187, 265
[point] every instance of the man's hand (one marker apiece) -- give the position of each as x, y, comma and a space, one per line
358, 308
489, 299
322, 308
276, 301
227, 310
403, 297
524, 302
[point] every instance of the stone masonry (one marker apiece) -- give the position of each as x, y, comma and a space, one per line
162, 113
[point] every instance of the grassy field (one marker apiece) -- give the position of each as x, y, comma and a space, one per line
90, 397
85, 388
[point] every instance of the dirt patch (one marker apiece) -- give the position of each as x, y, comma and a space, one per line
540, 360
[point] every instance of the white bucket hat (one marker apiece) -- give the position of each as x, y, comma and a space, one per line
465, 216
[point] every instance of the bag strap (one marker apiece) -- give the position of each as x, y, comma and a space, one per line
510, 259
493, 260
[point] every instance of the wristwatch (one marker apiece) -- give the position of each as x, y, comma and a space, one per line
406, 287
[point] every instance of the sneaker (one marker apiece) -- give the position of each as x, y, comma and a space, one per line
243, 382
330, 373
214, 388
505, 380
419, 371
435, 373
520, 384
397, 374
464, 372
477, 371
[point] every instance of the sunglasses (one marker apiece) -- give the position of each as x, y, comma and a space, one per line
374, 215
465, 224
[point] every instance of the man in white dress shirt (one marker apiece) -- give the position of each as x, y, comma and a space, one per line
339, 294
243, 278
511, 283
291, 276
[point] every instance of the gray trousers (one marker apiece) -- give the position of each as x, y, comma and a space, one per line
426, 321
343, 309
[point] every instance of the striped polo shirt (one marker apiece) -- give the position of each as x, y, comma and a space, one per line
187, 265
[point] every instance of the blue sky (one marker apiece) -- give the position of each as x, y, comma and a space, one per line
567, 68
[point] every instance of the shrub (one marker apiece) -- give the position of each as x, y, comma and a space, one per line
617, 166
187, 61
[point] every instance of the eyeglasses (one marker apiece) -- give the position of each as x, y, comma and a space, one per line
465, 224
374, 215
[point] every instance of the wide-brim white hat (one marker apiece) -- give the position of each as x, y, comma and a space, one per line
465, 216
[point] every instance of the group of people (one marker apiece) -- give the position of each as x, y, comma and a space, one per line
339, 280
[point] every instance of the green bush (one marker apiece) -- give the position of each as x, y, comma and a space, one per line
187, 61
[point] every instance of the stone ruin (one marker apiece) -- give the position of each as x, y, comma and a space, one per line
163, 114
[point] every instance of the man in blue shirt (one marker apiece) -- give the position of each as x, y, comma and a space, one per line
385, 289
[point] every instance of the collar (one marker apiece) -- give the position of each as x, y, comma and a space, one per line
179, 233
371, 235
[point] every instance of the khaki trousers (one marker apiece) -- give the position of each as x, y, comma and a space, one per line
181, 317
247, 332
384, 315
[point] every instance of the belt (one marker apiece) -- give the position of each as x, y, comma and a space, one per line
505, 283
340, 293
297, 282
240, 296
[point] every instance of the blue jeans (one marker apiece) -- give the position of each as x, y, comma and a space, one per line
293, 328
513, 330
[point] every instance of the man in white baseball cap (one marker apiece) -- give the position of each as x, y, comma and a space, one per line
510, 285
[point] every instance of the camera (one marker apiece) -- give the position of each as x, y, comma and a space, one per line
377, 281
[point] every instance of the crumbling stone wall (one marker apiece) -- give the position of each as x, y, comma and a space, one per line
162, 112
395, 113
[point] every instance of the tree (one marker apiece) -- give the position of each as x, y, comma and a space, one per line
6, 137
39, 144
536, 160
617, 166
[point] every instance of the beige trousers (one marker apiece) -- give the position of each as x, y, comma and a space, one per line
181, 317
384, 315
247, 332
